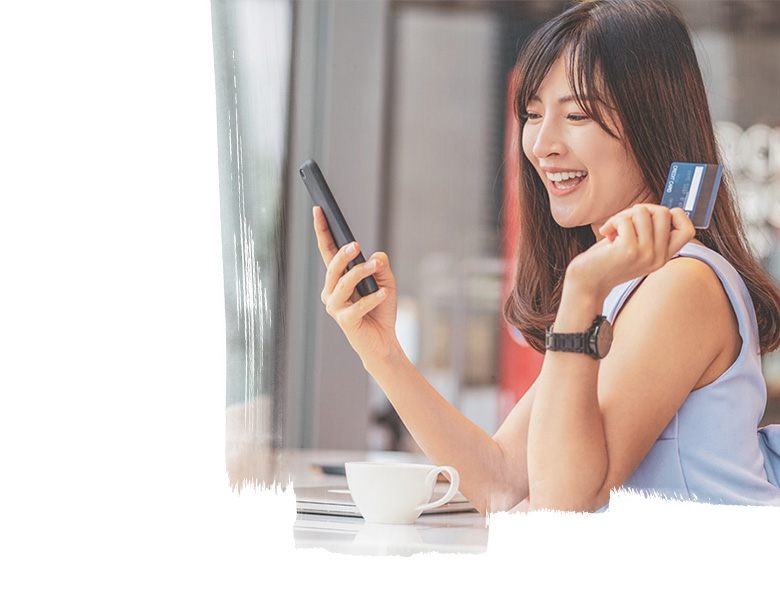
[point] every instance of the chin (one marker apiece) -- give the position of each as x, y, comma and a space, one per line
567, 221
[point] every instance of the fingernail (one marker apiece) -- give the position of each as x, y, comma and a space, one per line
371, 264
351, 248
381, 293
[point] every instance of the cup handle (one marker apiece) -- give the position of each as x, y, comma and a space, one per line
454, 483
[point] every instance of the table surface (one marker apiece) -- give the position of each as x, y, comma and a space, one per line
443, 533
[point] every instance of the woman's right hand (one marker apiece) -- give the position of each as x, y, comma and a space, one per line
369, 321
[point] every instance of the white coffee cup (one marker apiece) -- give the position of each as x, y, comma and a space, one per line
396, 493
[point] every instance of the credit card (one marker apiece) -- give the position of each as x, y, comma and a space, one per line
693, 187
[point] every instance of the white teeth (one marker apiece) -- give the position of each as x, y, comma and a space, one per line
563, 176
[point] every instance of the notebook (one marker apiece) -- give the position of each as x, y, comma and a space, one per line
336, 500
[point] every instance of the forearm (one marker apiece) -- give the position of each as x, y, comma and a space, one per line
446, 436
567, 454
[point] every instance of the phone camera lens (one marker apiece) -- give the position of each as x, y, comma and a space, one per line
303, 174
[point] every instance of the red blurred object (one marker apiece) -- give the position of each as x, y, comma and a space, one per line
519, 364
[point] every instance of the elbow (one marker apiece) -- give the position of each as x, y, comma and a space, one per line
554, 505
562, 499
498, 500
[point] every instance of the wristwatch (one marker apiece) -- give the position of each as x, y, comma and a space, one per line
594, 342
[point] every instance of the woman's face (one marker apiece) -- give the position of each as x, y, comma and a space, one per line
589, 174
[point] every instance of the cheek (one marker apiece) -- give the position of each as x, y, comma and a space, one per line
613, 163
527, 140
626, 173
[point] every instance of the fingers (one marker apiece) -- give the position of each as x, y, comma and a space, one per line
608, 230
383, 275
662, 224
350, 316
338, 294
643, 226
623, 226
650, 232
339, 304
682, 231
338, 265
672, 228
639, 221
344, 287
336, 260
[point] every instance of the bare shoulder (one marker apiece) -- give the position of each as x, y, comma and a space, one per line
693, 274
686, 298
685, 287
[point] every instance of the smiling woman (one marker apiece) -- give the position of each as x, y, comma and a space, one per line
616, 105
590, 173
637, 387
595, 84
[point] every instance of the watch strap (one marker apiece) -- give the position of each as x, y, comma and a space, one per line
580, 343
567, 342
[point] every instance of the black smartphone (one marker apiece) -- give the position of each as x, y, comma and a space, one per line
321, 196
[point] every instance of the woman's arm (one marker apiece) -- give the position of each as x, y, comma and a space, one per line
493, 473
591, 422
605, 416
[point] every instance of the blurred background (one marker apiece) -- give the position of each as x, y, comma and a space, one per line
403, 104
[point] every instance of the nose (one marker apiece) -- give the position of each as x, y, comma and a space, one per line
548, 140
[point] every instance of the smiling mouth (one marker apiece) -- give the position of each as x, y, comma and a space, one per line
565, 180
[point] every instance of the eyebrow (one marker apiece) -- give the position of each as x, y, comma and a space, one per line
563, 100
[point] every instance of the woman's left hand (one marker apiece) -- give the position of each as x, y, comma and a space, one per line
637, 241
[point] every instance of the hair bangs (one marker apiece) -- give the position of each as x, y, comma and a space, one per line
588, 84
535, 62
585, 73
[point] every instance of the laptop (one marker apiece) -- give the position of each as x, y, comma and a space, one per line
336, 500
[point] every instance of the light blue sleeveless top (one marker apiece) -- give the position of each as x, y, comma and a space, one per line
712, 451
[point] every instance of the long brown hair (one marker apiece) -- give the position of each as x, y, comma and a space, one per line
635, 59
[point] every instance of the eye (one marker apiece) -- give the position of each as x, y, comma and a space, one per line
578, 118
530, 116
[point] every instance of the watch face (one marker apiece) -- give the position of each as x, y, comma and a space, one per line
603, 338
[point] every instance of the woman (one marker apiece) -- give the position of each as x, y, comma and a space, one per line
610, 95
